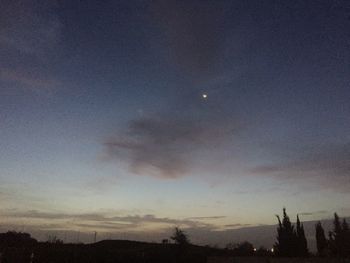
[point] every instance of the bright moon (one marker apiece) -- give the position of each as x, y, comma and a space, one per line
204, 96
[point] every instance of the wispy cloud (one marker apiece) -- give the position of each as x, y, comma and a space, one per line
205, 217
320, 212
101, 220
325, 165
237, 225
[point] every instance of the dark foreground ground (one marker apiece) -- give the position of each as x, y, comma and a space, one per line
109, 251
118, 251
121, 251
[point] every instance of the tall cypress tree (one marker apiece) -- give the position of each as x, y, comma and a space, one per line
337, 225
286, 244
321, 240
346, 237
331, 243
338, 248
340, 241
345, 226
301, 239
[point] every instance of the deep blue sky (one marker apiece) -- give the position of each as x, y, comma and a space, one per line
103, 123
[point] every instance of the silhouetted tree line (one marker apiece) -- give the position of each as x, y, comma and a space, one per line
338, 242
291, 242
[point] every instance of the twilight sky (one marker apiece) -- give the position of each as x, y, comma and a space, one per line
103, 126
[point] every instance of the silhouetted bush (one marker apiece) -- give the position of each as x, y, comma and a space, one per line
241, 249
180, 237
16, 240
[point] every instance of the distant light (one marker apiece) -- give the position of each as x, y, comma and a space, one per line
204, 96
254, 249
272, 250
